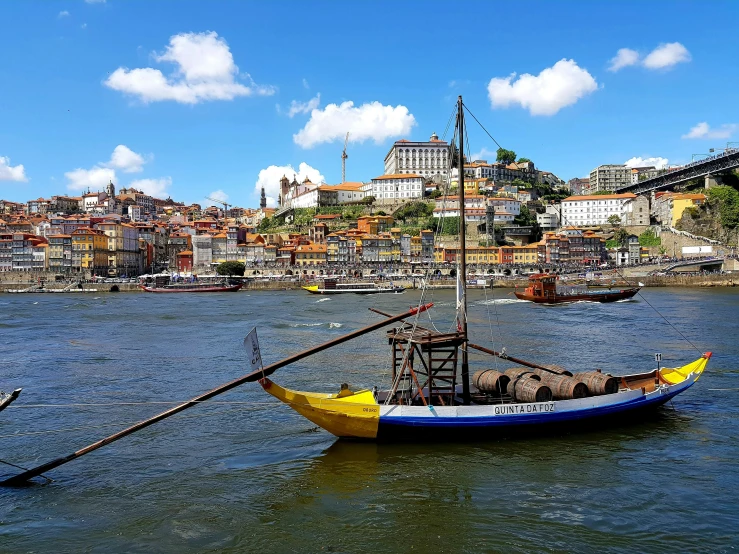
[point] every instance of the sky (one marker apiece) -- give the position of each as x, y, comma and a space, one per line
196, 99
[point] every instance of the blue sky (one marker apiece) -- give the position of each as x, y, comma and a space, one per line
194, 98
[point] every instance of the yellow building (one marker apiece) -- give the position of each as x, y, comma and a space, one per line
526, 254
474, 255
680, 202
310, 254
89, 249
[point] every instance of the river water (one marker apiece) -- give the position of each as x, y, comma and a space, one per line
244, 474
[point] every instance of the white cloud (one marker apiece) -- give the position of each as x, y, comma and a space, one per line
126, 160
485, 154
63, 13
205, 71
306, 86
658, 163
95, 1
304, 107
12, 173
666, 55
368, 121
83, 26
555, 87
704, 131
95, 178
624, 58
269, 178
218, 195
153, 187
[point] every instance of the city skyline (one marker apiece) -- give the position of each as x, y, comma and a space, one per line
195, 103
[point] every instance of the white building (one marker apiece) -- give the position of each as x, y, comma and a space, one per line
503, 204
202, 252
594, 210
398, 187
549, 220
419, 158
475, 208
609, 178
643, 173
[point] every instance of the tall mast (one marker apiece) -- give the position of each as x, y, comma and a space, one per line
462, 315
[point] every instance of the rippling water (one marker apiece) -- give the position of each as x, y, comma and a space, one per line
246, 475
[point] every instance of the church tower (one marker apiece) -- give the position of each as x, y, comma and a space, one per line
263, 200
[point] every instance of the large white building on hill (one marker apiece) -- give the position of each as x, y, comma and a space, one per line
594, 210
420, 158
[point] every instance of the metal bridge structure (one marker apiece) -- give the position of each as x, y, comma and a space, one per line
707, 167
685, 266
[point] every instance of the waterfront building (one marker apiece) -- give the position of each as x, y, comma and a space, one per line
178, 241
396, 187
184, 261
609, 178
29, 252
636, 211
6, 251
90, 250
123, 247
427, 246
202, 252
60, 253
595, 209
310, 254
425, 159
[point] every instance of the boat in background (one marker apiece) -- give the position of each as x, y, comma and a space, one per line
164, 285
332, 286
543, 289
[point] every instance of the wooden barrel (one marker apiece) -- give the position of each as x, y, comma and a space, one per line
598, 383
528, 389
564, 387
489, 380
556, 369
514, 373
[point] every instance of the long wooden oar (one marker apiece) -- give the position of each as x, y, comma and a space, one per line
24, 477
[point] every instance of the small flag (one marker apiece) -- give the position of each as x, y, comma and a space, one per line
251, 344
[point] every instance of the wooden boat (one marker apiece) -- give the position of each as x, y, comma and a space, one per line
6, 399
543, 290
163, 285
432, 395
332, 286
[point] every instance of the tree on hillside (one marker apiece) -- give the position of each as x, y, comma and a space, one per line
523, 160
506, 156
614, 220
231, 268
621, 236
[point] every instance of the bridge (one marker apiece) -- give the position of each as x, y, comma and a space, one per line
706, 167
692, 266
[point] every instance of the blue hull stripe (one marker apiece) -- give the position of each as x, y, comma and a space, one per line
395, 422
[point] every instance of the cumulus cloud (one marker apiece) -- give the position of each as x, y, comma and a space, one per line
153, 187
269, 178
369, 121
485, 154
218, 195
554, 88
126, 160
12, 173
624, 58
666, 55
658, 163
205, 71
63, 13
704, 131
95, 178
297, 107
306, 86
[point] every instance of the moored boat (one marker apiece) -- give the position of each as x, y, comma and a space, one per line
164, 285
332, 286
543, 289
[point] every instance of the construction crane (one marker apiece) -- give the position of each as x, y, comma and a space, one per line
222, 203
344, 156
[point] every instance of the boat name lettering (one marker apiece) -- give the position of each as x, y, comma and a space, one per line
524, 408
370, 410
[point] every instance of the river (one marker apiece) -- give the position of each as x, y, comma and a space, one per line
244, 474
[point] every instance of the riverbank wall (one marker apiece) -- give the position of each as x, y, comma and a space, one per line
699, 281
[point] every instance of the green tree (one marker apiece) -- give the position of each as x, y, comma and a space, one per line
614, 220
523, 160
231, 268
602, 192
621, 236
506, 156
727, 200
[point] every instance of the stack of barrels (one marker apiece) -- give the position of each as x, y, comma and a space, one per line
542, 385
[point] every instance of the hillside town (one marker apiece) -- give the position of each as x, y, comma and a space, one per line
515, 212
